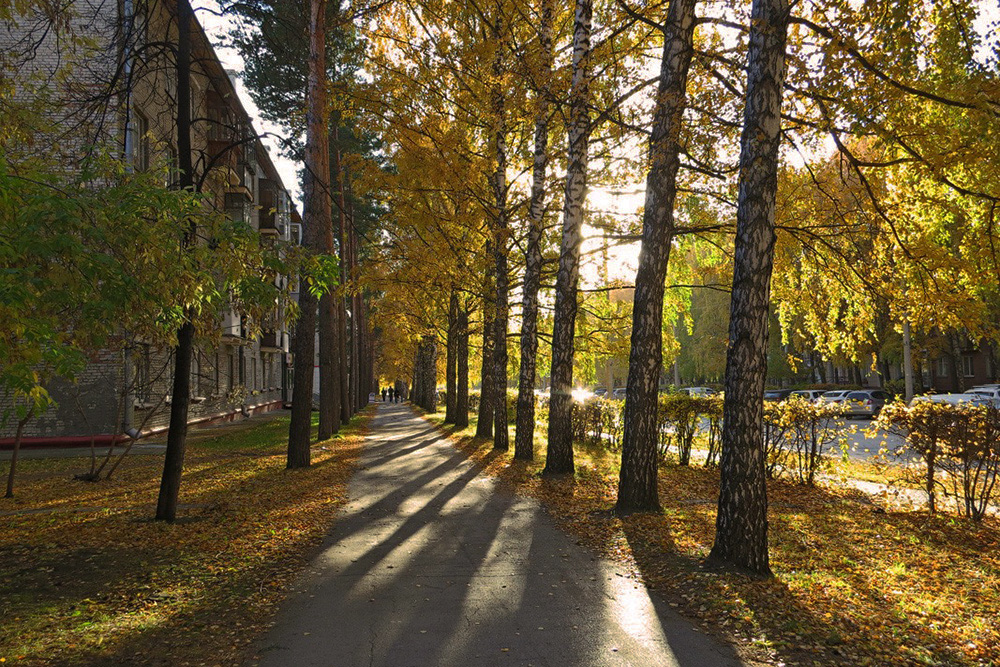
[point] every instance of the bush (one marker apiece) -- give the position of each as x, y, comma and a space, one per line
810, 429
958, 440
679, 416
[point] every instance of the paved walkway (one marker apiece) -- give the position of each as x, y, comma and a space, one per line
430, 566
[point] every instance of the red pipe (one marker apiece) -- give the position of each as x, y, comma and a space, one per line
102, 440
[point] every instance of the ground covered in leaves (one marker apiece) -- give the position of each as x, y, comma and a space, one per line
857, 581
87, 578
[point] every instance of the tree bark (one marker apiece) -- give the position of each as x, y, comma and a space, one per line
559, 453
637, 484
173, 463
484, 425
907, 361
500, 233
462, 363
12, 472
451, 359
741, 522
329, 387
352, 245
426, 396
341, 302
317, 210
524, 432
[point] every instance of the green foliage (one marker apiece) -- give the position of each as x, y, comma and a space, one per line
95, 259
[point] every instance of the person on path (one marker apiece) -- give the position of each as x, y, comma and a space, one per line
391, 394
383, 394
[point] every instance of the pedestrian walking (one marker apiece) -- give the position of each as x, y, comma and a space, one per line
383, 394
392, 394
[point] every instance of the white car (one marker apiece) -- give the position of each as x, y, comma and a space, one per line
837, 396
811, 395
953, 399
698, 391
992, 394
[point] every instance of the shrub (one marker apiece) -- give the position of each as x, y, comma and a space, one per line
679, 418
811, 428
958, 440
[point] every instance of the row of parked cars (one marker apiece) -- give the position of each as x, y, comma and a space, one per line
869, 402
853, 402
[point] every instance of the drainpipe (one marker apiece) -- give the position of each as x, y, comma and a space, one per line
128, 16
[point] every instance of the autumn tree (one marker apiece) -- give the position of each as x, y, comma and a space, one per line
637, 486
741, 522
559, 455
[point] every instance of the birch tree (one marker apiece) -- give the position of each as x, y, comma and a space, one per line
637, 486
524, 434
559, 454
741, 522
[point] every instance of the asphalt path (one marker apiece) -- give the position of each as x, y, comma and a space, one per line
430, 564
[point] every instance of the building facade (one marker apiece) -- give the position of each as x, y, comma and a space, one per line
121, 94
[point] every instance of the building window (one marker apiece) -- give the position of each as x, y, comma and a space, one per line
968, 366
232, 370
942, 367
143, 382
195, 374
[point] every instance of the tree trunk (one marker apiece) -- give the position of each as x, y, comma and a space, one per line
329, 394
559, 455
415, 384
451, 359
364, 371
329, 387
12, 472
741, 522
500, 233
426, 396
524, 432
341, 301
462, 388
907, 361
484, 425
317, 211
173, 463
637, 484
355, 332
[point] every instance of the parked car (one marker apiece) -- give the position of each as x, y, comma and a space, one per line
953, 399
992, 394
777, 394
834, 397
600, 392
618, 393
698, 391
865, 402
811, 395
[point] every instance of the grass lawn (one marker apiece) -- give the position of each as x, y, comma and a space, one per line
87, 578
856, 582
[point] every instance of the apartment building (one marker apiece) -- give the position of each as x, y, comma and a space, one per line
121, 94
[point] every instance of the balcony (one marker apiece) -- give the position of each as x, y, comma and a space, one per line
232, 329
272, 341
269, 222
